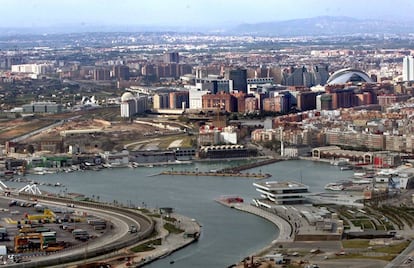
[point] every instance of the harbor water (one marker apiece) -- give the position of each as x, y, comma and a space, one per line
227, 235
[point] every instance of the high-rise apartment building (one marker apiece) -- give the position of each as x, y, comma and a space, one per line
220, 101
239, 77
161, 101
171, 57
101, 74
121, 72
408, 68
179, 100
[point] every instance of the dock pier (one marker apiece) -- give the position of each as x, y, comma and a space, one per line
230, 172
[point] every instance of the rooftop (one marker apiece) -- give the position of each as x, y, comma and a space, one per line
270, 185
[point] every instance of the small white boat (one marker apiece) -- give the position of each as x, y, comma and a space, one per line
333, 186
361, 181
346, 168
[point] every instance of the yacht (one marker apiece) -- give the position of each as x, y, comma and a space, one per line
334, 186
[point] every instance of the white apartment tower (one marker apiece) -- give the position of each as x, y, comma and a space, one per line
408, 68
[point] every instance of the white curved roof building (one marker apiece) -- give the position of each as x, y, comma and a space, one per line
347, 75
127, 96
131, 105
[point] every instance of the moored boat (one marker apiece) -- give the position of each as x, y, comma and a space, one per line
334, 186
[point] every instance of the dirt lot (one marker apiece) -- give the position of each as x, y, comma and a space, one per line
114, 132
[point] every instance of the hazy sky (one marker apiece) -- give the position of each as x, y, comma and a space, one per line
27, 13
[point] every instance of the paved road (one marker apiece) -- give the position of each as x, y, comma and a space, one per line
351, 263
402, 259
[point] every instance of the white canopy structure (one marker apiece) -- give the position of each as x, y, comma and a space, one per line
3, 187
31, 188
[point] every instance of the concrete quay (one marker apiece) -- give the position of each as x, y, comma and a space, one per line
251, 165
285, 229
220, 174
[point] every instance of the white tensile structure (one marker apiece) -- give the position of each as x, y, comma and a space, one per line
3, 187
31, 189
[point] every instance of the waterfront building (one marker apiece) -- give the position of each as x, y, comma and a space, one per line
296, 151
335, 152
211, 135
116, 159
224, 151
355, 139
53, 145
208, 136
147, 157
184, 153
396, 143
263, 135
281, 193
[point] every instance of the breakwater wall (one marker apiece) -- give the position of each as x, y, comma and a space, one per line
230, 172
240, 168
217, 173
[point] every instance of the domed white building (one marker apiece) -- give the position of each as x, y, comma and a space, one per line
133, 104
127, 96
347, 75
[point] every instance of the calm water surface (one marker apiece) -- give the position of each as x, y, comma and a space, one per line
227, 235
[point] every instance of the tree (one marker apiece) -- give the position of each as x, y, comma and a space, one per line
30, 149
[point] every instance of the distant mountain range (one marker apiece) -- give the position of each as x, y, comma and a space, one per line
317, 26
320, 26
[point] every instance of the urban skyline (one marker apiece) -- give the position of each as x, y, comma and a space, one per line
187, 13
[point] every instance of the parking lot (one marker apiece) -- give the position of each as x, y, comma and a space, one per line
28, 228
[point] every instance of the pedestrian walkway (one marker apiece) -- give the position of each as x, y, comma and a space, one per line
285, 229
